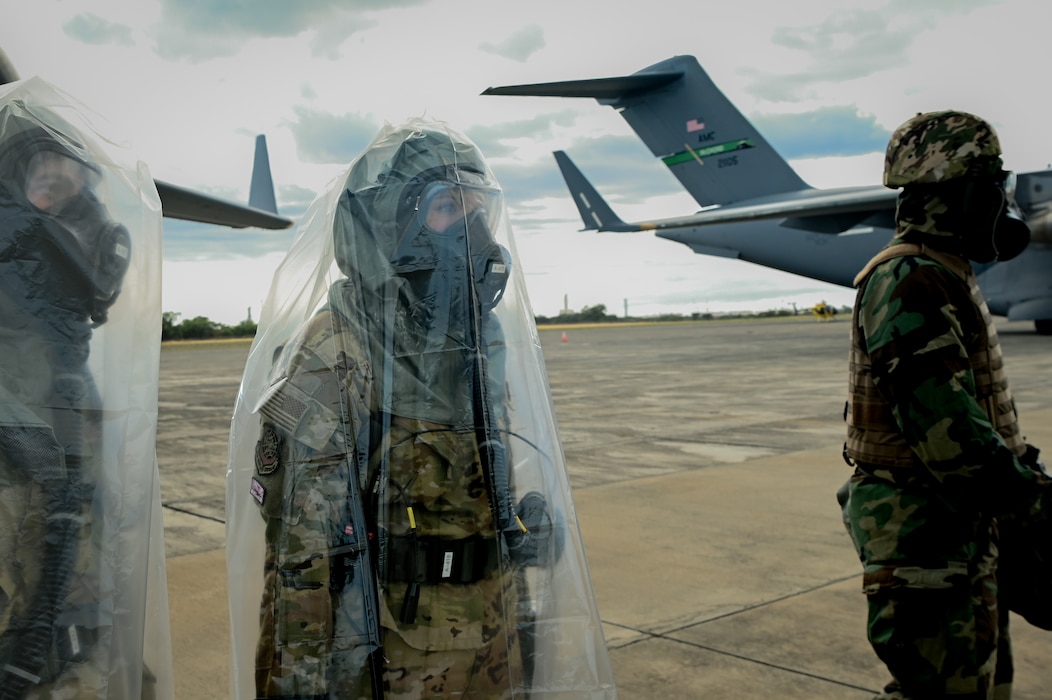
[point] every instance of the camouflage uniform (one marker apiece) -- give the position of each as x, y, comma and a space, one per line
380, 391
43, 564
933, 433
50, 617
312, 642
302, 468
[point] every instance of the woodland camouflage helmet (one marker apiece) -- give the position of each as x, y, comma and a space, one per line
940, 146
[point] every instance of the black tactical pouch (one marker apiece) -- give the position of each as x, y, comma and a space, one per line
433, 560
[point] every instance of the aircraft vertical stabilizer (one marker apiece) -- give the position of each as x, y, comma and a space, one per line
680, 114
8, 74
595, 212
261, 191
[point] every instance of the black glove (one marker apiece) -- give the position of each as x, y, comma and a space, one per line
541, 543
1032, 459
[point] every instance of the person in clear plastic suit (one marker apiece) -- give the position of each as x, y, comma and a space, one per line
79, 497
395, 433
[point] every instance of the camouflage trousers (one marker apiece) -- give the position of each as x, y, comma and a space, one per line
929, 573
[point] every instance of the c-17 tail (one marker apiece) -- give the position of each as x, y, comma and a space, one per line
687, 122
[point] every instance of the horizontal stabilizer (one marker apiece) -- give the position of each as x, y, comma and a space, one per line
595, 212
602, 89
181, 203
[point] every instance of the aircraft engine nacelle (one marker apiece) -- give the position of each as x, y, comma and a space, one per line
1040, 226
1034, 196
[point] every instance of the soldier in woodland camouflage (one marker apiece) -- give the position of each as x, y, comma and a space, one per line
933, 433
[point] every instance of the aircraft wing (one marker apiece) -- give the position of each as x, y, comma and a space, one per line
818, 211
602, 89
181, 203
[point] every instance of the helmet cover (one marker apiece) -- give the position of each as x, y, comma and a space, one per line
940, 146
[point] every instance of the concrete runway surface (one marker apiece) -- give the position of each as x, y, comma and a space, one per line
704, 459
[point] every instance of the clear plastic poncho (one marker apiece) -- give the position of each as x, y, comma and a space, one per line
83, 594
399, 517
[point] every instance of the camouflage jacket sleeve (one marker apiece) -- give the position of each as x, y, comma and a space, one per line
917, 323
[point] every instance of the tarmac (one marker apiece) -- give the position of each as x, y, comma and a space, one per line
704, 459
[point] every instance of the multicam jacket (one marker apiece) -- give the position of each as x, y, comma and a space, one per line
413, 378
306, 455
319, 619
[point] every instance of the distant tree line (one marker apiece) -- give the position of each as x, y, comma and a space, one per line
201, 328
598, 314
589, 314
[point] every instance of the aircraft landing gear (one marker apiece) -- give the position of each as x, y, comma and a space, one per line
1043, 326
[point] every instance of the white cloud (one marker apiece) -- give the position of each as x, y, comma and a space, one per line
194, 122
519, 46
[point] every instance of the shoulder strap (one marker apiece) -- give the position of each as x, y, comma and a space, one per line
956, 265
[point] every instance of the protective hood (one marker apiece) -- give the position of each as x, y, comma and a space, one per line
975, 218
84, 611
418, 246
397, 353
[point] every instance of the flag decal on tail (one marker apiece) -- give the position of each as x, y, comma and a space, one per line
695, 125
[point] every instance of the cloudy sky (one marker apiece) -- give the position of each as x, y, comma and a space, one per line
190, 83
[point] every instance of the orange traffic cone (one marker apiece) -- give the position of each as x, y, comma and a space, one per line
565, 339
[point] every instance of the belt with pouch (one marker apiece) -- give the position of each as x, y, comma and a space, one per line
431, 560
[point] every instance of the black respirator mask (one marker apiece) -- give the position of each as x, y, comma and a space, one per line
995, 225
98, 263
450, 236
65, 246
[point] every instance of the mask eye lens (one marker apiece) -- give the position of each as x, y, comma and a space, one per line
444, 203
1008, 182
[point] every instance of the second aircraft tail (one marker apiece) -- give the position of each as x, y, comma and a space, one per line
595, 212
261, 190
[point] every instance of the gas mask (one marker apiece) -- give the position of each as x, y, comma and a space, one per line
94, 259
447, 239
997, 230
65, 246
